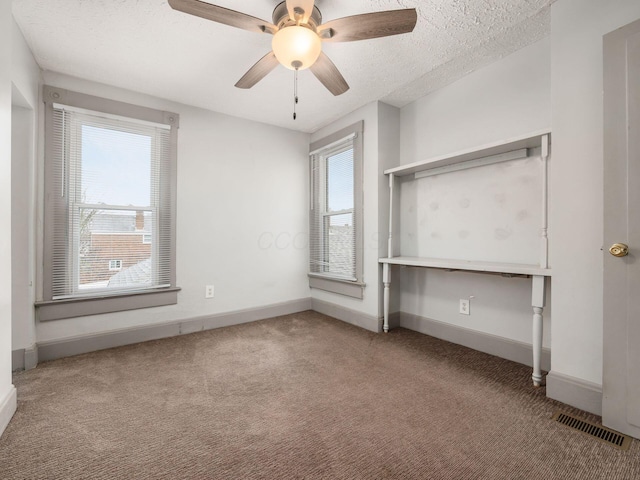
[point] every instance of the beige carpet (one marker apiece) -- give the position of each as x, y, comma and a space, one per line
301, 396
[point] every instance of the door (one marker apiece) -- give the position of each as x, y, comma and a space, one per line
621, 367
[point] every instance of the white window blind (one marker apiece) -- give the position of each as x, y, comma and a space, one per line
333, 214
112, 202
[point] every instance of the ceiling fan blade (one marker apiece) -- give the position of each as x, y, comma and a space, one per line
223, 15
369, 25
305, 5
260, 70
329, 76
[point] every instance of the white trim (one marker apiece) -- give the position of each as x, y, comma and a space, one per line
336, 285
24, 358
531, 140
336, 278
110, 116
31, 357
544, 228
8, 406
502, 347
473, 266
352, 131
17, 360
105, 302
574, 391
334, 145
67, 347
353, 317
97, 293
390, 237
478, 162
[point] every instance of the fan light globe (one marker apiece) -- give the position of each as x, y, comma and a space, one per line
296, 45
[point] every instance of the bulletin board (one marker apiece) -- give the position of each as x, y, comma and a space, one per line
490, 213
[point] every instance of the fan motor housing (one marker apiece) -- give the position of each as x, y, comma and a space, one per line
281, 16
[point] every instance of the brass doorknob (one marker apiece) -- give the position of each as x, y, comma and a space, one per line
619, 250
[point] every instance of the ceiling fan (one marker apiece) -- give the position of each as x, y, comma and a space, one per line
298, 33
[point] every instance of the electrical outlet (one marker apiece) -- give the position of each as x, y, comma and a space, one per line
464, 306
208, 291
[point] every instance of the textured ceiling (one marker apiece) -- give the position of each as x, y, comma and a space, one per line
145, 46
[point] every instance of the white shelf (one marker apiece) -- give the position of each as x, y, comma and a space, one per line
492, 267
531, 140
506, 150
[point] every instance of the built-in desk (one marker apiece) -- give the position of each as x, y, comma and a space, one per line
538, 279
497, 152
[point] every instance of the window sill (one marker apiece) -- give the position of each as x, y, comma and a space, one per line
337, 285
81, 307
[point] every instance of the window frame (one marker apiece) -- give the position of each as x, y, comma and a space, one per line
54, 204
327, 281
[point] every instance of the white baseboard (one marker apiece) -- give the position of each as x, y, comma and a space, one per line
359, 319
31, 357
24, 358
17, 360
576, 392
89, 343
498, 346
572, 391
8, 405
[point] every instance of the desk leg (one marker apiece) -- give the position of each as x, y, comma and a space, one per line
386, 280
538, 302
537, 346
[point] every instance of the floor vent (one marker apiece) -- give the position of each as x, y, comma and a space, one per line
610, 437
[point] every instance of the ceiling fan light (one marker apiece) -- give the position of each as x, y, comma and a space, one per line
296, 45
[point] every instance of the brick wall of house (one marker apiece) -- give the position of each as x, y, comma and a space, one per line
129, 248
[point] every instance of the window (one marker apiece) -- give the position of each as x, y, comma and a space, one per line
109, 182
336, 213
115, 264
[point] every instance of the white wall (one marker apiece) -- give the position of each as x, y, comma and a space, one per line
7, 390
577, 27
26, 77
22, 324
506, 99
241, 220
25, 73
388, 155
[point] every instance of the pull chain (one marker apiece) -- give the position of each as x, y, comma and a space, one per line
296, 64
295, 92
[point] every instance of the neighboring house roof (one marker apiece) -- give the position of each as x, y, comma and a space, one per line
138, 274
